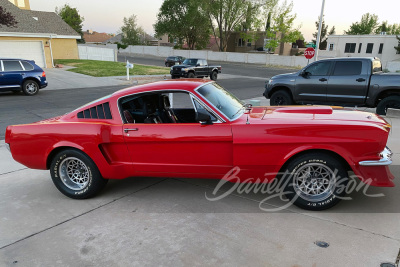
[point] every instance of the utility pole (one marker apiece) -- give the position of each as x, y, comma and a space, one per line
321, 17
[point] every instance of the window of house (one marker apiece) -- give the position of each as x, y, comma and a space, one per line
249, 43
380, 48
331, 47
347, 68
350, 48
241, 42
359, 48
11, 65
370, 47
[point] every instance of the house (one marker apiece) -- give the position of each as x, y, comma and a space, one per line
115, 39
381, 46
93, 37
40, 36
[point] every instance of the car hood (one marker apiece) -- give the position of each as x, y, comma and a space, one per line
314, 114
283, 76
182, 66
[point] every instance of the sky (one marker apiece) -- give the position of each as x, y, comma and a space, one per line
107, 16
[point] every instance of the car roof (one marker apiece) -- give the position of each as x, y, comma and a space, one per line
181, 84
4, 58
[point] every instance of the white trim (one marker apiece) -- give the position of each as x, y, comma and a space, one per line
38, 35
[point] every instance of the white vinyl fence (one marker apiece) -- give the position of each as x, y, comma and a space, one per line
97, 53
257, 58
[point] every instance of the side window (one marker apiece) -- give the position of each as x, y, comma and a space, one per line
347, 68
319, 69
27, 65
198, 106
12, 65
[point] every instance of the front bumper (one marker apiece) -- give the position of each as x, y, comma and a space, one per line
386, 159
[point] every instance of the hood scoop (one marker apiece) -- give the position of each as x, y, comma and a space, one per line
304, 110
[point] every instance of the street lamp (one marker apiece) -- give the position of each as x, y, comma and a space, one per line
319, 30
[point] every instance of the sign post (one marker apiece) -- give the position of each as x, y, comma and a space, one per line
128, 66
309, 54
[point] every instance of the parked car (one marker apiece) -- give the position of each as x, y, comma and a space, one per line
195, 68
21, 74
338, 81
171, 61
196, 129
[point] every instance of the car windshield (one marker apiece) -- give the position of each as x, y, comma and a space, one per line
190, 61
224, 101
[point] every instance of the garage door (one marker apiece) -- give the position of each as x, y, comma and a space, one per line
24, 50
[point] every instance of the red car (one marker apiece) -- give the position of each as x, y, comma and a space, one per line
196, 129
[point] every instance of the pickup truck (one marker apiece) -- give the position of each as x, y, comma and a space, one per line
195, 68
337, 81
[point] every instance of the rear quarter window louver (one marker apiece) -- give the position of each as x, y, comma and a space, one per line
101, 111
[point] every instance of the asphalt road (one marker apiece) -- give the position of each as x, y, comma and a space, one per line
247, 70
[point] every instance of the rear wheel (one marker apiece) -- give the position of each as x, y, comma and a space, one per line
315, 181
30, 87
281, 98
214, 76
75, 174
388, 102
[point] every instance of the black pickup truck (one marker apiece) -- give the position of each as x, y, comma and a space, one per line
337, 81
195, 68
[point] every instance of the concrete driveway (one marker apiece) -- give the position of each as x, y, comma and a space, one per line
169, 222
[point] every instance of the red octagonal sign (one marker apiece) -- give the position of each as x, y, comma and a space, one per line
309, 53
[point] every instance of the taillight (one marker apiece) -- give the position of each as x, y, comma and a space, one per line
44, 74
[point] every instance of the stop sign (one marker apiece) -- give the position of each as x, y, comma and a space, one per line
309, 53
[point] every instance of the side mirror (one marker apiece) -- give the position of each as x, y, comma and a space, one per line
203, 117
304, 74
198, 65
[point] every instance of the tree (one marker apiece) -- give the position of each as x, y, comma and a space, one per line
367, 25
388, 29
397, 47
324, 32
131, 32
184, 20
227, 15
71, 16
281, 28
6, 18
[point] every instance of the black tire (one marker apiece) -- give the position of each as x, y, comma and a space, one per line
166, 65
214, 76
388, 102
30, 87
90, 180
315, 181
281, 98
191, 75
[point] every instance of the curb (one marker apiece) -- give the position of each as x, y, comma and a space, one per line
393, 113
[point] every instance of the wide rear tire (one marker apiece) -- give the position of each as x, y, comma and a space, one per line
388, 102
214, 76
76, 175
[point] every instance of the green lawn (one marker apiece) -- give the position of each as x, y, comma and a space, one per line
107, 68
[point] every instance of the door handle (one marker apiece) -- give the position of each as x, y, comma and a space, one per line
323, 80
133, 129
360, 80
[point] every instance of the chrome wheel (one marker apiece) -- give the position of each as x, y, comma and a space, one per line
74, 173
314, 181
31, 88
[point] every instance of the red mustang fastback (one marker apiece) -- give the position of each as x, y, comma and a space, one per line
196, 129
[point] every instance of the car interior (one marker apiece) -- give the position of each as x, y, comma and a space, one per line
157, 108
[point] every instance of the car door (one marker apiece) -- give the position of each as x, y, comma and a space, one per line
348, 83
187, 148
12, 74
312, 82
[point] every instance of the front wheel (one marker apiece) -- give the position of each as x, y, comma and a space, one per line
191, 75
214, 76
281, 98
388, 102
75, 174
30, 87
315, 181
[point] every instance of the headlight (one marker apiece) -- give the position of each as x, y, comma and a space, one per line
185, 69
172, 68
270, 81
